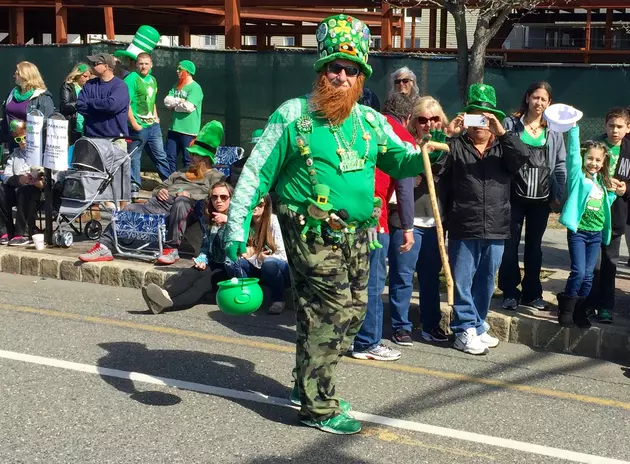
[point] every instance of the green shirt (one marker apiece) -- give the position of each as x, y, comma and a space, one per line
593, 217
613, 151
80, 118
276, 157
537, 142
142, 94
188, 123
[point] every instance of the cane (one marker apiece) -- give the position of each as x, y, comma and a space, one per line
433, 146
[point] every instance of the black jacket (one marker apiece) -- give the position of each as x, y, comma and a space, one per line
68, 103
619, 208
479, 187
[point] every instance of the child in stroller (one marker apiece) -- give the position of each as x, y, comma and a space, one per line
22, 186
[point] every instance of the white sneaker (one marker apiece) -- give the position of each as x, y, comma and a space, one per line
470, 342
489, 340
379, 352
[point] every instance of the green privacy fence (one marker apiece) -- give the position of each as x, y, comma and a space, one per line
243, 88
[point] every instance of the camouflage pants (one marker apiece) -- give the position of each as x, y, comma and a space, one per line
330, 288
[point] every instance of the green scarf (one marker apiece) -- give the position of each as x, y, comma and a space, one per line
22, 96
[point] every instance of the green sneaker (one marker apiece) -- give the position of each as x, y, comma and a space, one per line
341, 424
295, 399
604, 316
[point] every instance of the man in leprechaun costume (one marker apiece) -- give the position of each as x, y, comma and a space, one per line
324, 139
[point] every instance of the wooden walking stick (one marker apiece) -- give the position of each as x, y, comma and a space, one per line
425, 149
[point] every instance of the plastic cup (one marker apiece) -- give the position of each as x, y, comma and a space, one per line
38, 240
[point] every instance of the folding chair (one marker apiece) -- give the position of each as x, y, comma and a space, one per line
129, 227
225, 156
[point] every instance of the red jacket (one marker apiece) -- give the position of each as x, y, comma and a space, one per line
384, 185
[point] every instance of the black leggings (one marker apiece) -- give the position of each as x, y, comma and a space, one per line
25, 198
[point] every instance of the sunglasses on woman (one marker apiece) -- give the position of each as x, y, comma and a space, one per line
336, 68
423, 120
20, 139
220, 197
403, 81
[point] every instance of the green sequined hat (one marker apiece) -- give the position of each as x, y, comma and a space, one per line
342, 37
321, 193
208, 140
483, 97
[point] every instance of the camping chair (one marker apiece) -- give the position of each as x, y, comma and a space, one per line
225, 156
129, 227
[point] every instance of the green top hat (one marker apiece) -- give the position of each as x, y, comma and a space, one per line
342, 37
144, 41
321, 192
483, 97
256, 135
208, 140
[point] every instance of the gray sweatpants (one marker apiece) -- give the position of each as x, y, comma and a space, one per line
177, 209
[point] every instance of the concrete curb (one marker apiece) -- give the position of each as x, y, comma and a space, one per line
539, 331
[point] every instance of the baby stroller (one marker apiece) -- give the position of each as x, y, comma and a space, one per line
100, 173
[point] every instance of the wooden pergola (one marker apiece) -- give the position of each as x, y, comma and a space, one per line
27, 20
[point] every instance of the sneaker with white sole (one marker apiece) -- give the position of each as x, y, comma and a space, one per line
510, 304
169, 256
276, 308
489, 340
435, 335
158, 296
378, 352
97, 253
469, 342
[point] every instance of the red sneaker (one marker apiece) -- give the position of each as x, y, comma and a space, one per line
169, 256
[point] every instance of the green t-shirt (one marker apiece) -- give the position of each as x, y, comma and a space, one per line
80, 119
187, 123
537, 142
142, 94
593, 218
613, 151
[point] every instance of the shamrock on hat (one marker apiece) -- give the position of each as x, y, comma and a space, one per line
144, 41
256, 135
483, 97
342, 37
208, 140
321, 193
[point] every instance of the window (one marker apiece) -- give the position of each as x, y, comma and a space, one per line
289, 41
415, 45
376, 42
249, 40
210, 40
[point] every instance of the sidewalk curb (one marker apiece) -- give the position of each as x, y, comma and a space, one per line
608, 343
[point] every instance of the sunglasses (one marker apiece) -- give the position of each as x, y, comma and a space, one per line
403, 81
336, 68
423, 120
220, 197
20, 139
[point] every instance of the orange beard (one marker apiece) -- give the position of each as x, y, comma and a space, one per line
196, 171
333, 103
182, 80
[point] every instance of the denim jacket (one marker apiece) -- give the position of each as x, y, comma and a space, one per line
209, 253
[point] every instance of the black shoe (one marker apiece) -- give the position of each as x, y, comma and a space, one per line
19, 241
436, 335
580, 314
402, 337
566, 306
4, 240
538, 303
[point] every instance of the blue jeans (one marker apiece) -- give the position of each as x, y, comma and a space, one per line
177, 143
474, 264
371, 330
274, 274
153, 143
424, 259
583, 251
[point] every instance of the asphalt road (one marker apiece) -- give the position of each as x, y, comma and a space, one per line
87, 376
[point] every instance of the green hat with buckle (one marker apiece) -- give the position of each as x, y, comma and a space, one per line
256, 135
321, 192
144, 41
482, 97
208, 140
343, 37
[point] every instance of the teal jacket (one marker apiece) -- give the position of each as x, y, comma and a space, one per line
579, 189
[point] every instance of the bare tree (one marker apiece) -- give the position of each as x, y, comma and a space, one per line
492, 14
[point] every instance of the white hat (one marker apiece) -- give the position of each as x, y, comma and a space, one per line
561, 117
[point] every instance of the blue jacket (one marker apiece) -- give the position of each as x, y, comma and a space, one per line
556, 156
579, 189
104, 106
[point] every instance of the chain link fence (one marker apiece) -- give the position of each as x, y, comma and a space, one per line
242, 88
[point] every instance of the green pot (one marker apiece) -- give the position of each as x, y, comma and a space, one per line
238, 298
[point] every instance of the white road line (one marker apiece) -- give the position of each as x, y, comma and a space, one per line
261, 398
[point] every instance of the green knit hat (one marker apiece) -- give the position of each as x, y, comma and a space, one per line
189, 66
483, 97
342, 37
208, 140
144, 41
256, 135
321, 193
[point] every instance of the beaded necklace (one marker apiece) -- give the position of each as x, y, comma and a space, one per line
349, 157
